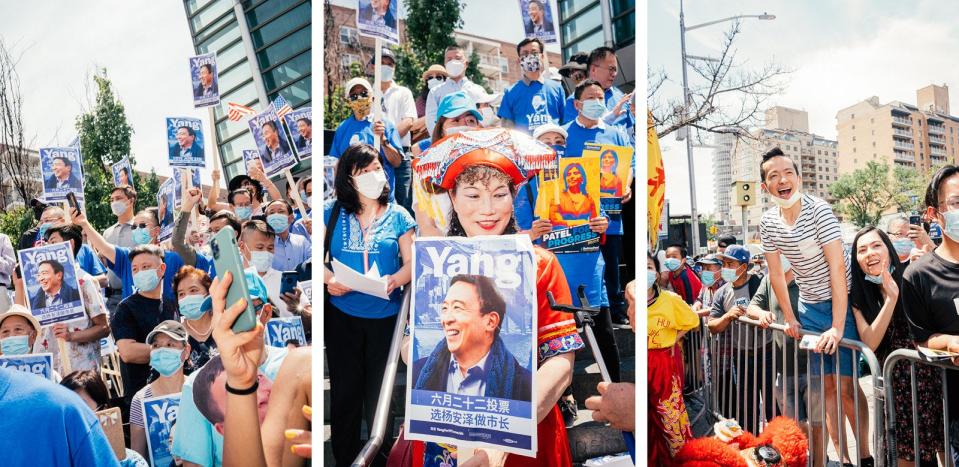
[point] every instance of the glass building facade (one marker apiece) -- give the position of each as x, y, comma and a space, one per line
263, 50
581, 30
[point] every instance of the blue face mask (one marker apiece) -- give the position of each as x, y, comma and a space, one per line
594, 109
651, 277
43, 229
190, 306
146, 281
951, 225
672, 264
142, 236
730, 274
903, 246
15, 345
877, 279
165, 360
709, 278
243, 212
279, 222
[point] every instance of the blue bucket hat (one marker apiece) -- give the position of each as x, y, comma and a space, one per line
456, 104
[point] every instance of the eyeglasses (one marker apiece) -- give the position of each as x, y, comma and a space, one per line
358, 96
142, 225
612, 70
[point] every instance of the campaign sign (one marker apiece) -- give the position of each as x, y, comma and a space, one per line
178, 185
329, 175
300, 123
251, 157
615, 173
184, 137
538, 20
378, 19
456, 278
204, 78
122, 173
271, 143
159, 415
50, 279
281, 330
307, 288
166, 201
62, 172
40, 364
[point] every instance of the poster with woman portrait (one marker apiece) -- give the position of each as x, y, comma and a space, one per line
569, 197
474, 303
615, 173
122, 172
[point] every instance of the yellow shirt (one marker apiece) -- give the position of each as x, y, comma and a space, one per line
665, 318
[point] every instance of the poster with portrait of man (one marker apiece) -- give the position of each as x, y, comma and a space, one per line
279, 331
615, 173
185, 142
300, 123
203, 77
159, 416
40, 364
50, 281
271, 143
378, 19
251, 158
178, 185
122, 172
569, 198
62, 172
166, 203
538, 20
473, 330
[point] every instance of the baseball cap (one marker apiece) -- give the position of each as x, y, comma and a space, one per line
456, 104
547, 128
356, 82
387, 53
22, 311
736, 253
725, 241
709, 259
171, 328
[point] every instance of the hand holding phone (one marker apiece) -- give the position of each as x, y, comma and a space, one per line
226, 258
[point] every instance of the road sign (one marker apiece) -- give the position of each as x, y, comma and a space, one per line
745, 193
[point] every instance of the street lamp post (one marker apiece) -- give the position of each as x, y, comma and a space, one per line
687, 102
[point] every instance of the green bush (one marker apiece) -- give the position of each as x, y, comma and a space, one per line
15, 222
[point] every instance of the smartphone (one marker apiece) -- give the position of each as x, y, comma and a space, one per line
72, 202
288, 281
226, 257
914, 219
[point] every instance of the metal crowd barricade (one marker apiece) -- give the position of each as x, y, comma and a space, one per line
696, 370
914, 358
742, 385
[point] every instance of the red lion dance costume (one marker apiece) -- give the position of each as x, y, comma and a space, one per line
782, 443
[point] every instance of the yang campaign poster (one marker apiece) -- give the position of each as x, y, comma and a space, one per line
271, 143
159, 415
122, 173
178, 185
300, 123
329, 175
50, 279
569, 198
307, 288
40, 364
62, 172
474, 304
615, 173
538, 20
185, 140
204, 79
279, 331
251, 158
378, 19
166, 201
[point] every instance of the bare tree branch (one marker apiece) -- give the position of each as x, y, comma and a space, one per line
16, 169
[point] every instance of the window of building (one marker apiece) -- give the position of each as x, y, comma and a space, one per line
582, 24
209, 15
348, 35
279, 27
291, 45
267, 10
288, 72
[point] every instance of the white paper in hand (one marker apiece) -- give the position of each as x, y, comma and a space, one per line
363, 283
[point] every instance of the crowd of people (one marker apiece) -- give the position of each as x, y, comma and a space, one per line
889, 288
380, 204
162, 304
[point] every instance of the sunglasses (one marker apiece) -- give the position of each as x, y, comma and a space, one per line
142, 225
439, 77
358, 96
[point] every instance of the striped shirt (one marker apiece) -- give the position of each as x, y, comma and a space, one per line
802, 244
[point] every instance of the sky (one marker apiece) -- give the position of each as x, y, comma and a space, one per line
840, 52
144, 47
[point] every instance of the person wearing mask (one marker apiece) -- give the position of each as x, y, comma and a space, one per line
681, 278
256, 183
241, 203
86, 257
300, 225
399, 107
456, 64
432, 78
361, 129
588, 126
8, 261
574, 71
168, 351
19, 331
192, 288
257, 244
668, 319
359, 327
883, 327
603, 67
712, 280
486, 105
30, 238
123, 201
533, 100
290, 250
910, 241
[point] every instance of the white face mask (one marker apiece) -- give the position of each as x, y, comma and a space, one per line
386, 73
786, 203
489, 117
457, 129
434, 83
455, 68
370, 184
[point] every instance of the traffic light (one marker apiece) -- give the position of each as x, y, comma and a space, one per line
745, 193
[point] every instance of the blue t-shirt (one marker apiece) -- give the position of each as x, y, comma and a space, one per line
123, 268
612, 96
577, 137
46, 424
353, 131
347, 247
89, 261
585, 269
531, 105
524, 204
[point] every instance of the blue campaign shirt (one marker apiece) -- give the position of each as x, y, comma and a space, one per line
533, 104
353, 131
46, 424
612, 96
347, 246
89, 261
289, 253
123, 268
577, 136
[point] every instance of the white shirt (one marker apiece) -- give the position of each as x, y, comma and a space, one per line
398, 104
272, 281
448, 87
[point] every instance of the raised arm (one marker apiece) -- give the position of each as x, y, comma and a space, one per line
104, 248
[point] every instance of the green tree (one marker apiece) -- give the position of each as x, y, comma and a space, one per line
910, 185
14, 222
864, 195
105, 139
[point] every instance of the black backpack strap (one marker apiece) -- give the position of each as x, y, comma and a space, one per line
330, 227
